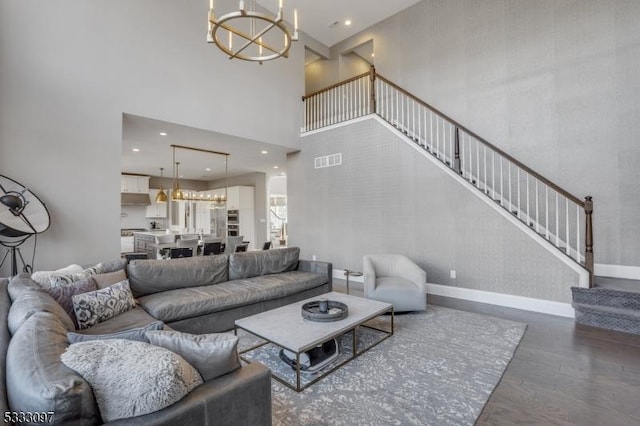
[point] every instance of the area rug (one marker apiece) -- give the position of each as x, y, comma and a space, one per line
439, 368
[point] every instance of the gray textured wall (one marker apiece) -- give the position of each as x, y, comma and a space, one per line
555, 83
386, 198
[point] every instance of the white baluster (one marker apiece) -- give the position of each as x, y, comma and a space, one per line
510, 193
485, 169
546, 210
557, 221
537, 210
528, 211
501, 184
518, 192
493, 174
477, 163
567, 226
578, 248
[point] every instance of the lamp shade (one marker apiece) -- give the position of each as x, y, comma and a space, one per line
21, 212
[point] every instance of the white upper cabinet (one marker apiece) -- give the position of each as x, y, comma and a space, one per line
134, 184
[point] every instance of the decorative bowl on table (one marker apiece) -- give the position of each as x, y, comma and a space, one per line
324, 310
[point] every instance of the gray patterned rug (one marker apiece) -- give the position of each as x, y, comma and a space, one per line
439, 368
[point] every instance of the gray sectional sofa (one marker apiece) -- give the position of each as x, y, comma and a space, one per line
196, 295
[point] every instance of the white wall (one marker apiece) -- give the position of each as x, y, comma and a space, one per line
68, 71
554, 83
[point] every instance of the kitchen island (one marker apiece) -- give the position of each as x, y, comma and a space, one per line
144, 242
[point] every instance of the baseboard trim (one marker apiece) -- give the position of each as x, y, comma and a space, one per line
507, 300
617, 271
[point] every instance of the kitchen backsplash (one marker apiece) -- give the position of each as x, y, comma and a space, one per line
134, 217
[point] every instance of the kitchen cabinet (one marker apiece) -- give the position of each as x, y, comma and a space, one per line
241, 213
156, 210
134, 184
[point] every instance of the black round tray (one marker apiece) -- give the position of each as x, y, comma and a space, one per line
311, 311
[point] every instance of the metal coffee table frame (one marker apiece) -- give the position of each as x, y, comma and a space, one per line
354, 353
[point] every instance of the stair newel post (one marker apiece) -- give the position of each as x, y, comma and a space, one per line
457, 166
588, 240
372, 84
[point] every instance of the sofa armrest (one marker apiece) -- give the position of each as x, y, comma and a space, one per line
242, 397
318, 268
5, 304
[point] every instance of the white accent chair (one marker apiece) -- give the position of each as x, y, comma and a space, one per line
395, 279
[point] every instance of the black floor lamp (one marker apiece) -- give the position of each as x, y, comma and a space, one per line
22, 215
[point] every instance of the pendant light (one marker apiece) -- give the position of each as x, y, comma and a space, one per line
162, 196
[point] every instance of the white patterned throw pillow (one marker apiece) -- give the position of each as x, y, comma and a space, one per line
131, 378
100, 305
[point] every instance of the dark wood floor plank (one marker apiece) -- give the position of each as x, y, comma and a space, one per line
563, 373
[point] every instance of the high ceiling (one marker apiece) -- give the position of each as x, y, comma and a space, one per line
324, 21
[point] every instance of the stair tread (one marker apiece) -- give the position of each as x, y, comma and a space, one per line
626, 312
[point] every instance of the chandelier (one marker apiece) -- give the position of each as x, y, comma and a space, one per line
245, 29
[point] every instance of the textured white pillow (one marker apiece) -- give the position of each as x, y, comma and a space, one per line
131, 378
44, 277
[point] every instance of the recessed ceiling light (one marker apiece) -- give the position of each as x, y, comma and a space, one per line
347, 22
373, 55
181, 176
208, 169
163, 134
264, 152
136, 149
275, 167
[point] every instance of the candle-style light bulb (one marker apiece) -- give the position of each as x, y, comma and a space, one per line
230, 40
295, 20
260, 45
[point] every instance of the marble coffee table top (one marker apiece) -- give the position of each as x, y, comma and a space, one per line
285, 326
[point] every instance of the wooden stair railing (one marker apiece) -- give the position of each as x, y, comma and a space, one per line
553, 212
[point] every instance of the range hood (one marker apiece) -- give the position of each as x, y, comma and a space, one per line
131, 199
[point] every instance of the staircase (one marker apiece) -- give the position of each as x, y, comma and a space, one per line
563, 220
612, 304
559, 217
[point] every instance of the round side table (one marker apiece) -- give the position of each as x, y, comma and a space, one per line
348, 273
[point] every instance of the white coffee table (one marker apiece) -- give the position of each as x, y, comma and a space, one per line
285, 327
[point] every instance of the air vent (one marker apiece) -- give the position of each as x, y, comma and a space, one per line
328, 161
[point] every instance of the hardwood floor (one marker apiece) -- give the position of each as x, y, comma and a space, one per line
562, 373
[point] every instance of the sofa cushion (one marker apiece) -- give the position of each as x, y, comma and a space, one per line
112, 265
153, 276
100, 305
131, 378
63, 294
136, 317
32, 302
110, 278
256, 263
38, 381
211, 354
192, 302
22, 283
137, 334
